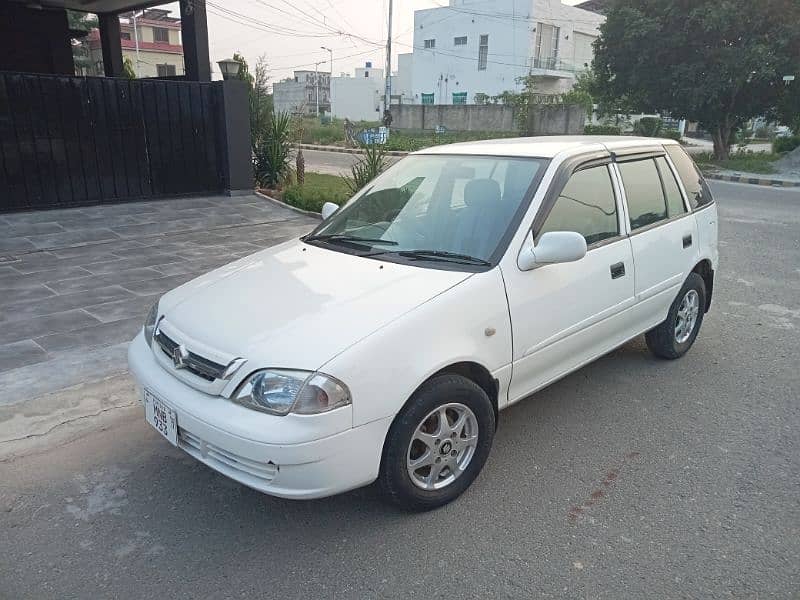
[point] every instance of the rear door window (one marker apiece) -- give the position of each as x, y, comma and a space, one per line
646, 203
696, 187
675, 205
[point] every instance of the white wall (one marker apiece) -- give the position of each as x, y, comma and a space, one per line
290, 96
357, 98
510, 25
402, 80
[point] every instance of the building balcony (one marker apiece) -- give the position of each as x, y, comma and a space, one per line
552, 67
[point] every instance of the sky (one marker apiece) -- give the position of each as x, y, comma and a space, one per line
289, 33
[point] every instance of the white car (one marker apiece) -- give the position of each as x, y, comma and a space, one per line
464, 278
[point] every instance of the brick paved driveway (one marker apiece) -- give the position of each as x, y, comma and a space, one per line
75, 284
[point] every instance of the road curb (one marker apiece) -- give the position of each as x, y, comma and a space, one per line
282, 204
753, 180
345, 150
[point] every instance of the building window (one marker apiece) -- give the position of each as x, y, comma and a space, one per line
160, 34
483, 52
430, 44
460, 41
166, 70
366, 73
459, 97
427, 98
546, 53
125, 35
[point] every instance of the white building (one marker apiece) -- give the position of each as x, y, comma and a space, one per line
358, 98
481, 47
303, 93
402, 85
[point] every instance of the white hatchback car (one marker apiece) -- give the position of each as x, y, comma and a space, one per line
464, 278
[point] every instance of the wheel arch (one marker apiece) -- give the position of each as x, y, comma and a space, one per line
706, 271
478, 374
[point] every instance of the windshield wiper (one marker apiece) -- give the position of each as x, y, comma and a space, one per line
444, 256
343, 237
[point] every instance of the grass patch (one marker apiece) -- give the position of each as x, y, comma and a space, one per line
316, 191
748, 162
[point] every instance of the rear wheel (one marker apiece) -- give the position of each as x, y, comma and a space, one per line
438, 443
673, 338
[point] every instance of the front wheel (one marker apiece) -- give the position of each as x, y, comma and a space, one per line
673, 338
438, 443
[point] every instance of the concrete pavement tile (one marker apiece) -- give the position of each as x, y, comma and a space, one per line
18, 354
26, 229
74, 237
36, 262
16, 245
109, 246
8, 282
42, 325
68, 286
119, 310
104, 334
161, 284
121, 264
27, 294
62, 302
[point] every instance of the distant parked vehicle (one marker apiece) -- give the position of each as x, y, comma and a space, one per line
464, 278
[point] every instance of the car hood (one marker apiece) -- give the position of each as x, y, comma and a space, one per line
296, 305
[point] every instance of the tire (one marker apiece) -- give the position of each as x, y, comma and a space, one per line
668, 340
420, 417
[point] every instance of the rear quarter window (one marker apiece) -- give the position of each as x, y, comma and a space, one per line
693, 182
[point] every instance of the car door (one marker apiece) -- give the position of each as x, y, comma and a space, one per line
564, 315
663, 234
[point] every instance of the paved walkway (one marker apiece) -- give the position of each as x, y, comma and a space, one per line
77, 283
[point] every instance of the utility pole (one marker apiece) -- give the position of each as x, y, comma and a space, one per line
136, 37
388, 94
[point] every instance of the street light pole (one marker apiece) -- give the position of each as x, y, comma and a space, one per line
136, 38
388, 95
331, 51
316, 84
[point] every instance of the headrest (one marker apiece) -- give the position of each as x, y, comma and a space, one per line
481, 191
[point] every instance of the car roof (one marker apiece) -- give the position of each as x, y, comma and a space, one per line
546, 146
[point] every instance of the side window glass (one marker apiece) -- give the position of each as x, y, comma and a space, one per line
643, 191
586, 205
696, 188
675, 204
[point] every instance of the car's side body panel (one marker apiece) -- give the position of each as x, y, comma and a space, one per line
467, 323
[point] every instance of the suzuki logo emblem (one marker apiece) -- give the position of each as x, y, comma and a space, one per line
179, 356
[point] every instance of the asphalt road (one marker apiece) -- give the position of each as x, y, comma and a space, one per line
334, 163
631, 478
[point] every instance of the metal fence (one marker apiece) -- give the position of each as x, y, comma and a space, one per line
69, 141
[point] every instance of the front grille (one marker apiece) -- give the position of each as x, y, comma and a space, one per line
194, 363
225, 461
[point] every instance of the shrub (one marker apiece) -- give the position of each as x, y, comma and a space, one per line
366, 168
317, 190
271, 160
602, 130
672, 134
785, 144
649, 127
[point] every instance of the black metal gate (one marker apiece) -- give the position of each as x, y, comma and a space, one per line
69, 141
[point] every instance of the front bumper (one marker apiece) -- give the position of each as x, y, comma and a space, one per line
296, 456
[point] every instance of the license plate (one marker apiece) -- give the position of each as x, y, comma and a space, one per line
161, 416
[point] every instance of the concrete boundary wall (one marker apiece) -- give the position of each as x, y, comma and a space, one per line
542, 119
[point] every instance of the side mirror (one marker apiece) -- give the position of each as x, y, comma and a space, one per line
553, 247
328, 209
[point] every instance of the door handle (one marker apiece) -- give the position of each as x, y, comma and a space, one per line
687, 240
617, 270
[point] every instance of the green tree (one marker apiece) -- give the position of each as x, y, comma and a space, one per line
127, 68
718, 62
81, 21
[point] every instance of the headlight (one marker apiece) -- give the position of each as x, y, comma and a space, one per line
150, 324
280, 391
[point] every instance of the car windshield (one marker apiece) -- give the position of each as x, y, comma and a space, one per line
436, 208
